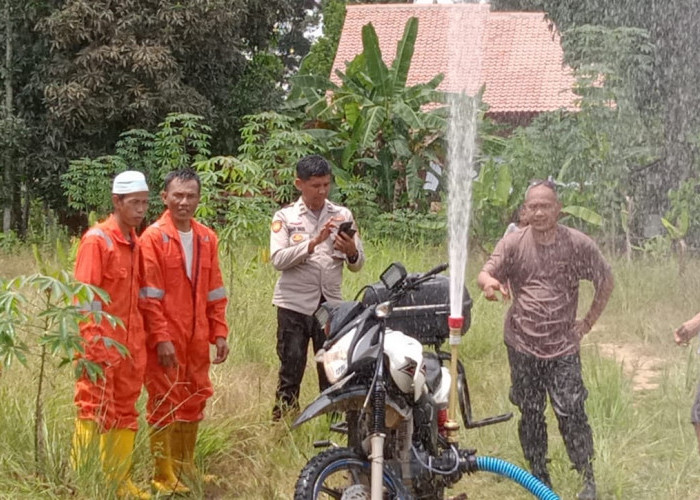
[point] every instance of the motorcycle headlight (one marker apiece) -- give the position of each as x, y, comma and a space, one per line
383, 310
323, 316
335, 359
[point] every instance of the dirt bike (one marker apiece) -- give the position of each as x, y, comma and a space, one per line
393, 392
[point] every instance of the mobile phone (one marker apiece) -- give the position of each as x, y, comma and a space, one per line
346, 227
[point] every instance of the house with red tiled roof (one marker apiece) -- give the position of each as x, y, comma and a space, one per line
516, 56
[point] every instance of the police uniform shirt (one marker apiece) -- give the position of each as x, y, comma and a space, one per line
306, 276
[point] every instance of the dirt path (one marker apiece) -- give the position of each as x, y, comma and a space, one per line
642, 367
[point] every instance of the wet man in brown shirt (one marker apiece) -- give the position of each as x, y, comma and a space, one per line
541, 267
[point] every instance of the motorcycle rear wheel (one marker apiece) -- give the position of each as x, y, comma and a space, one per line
342, 474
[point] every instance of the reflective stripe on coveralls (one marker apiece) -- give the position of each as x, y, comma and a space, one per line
94, 306
148, 292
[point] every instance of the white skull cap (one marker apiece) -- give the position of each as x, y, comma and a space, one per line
128, 182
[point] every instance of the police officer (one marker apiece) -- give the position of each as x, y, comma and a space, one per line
310, 251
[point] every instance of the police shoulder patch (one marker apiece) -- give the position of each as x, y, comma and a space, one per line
276, 226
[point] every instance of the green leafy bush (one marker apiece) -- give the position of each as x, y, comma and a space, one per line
407, 226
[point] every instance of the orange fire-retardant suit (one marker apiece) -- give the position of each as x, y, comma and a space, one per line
189, 313
106, 259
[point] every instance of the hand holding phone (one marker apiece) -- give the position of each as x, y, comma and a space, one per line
346, 227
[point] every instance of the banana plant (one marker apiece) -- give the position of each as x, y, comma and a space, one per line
492, 202
585, 214
379, 127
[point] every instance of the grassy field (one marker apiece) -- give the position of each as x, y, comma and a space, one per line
645, 446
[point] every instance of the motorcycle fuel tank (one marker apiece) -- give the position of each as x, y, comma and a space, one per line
406, 366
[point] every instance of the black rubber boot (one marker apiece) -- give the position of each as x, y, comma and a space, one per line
539, 470
588, 492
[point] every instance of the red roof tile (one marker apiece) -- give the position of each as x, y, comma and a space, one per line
514, 54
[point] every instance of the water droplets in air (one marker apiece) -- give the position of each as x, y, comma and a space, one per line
461, 141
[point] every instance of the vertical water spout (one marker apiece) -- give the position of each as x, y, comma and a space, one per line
460, 158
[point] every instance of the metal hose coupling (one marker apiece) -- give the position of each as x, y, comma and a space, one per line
467, 461
454, 461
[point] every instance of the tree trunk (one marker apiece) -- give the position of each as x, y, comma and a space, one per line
398, 184
39, 438
628, 232
7, 155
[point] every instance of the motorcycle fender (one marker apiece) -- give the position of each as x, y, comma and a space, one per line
342, 399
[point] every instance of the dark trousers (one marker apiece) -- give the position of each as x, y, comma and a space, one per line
294, 330
532, 379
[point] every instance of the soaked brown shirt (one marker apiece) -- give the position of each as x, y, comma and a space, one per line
544, 282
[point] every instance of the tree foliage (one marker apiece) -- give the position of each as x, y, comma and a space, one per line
244, 191
98, 68
596, 153
238, 193
127, 64
257, 90
319, 60
78, 73
26, 143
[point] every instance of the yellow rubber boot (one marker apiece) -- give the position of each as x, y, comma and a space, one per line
164, 478
182, 442
84, 444
116, 448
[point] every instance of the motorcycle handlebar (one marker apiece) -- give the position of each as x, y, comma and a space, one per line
436, 270
412, 283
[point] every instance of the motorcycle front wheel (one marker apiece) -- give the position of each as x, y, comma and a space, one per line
342, 474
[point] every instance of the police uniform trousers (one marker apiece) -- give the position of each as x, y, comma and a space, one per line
294, 330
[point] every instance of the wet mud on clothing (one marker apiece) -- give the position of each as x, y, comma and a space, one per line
695, 412
544, 281
532, 379
294, 332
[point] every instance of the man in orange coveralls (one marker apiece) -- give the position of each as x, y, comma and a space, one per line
183, 301
108, 257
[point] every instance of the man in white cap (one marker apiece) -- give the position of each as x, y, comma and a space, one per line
108, 257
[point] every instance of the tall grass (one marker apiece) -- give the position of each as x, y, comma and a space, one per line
645, 446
